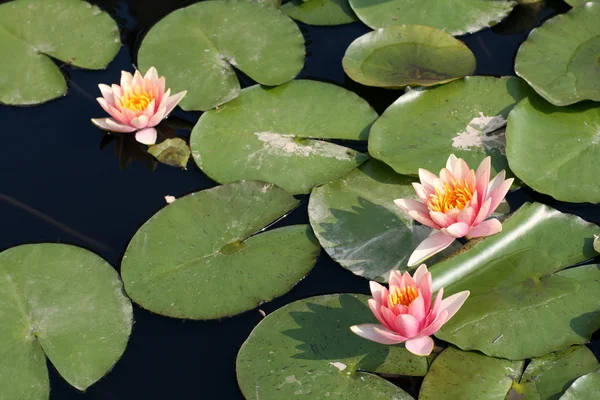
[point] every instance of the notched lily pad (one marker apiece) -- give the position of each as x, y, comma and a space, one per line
407, 55
174, 152
204, 256
32, 31
320, 12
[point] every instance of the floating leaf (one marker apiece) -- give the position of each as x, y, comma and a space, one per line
456, 17
597, 243
573, 39
267, 134
174, 152
520, 305
320, 12
466, 118
32, 31
548, 377
63, 301
307, 348
407, 55
585, 388
575, 3
201, 257
360, 227
458, 374
555, 149
197, 46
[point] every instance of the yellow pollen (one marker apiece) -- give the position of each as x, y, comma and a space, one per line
403, 296
456, 194
136, 99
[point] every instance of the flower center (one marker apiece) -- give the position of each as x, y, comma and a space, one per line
455, 194
403, 296
137, 99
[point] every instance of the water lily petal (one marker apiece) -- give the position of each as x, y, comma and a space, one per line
486, 228
441, 219
126, 79
499, 193
421, 345
467, 215
407, 205
107, 93
395, 280
461, 169
453, 303
389, 318
437, 306
426, 291
173, 101
435, 326
420, 273
378, 292
484, 212
157, 117
483, 177
457, 230
423, 219
417, 309
451, 161
421, 192
109, 124
427, 178
138, 80
435, 243
446, 175
146, 136
407, 325
140, 122
494, 183
377, 333
151, 74
150, 109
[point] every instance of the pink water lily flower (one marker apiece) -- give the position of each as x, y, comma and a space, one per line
406, 311
138, 105
456, 204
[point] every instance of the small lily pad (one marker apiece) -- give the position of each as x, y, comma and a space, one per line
585, 388
203, 256
407, 55
196, 48
64, 302
174, 152
274, 135
320, 12
306, 348
32, 31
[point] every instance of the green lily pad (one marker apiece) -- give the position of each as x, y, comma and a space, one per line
407, 55
520, 305
174, 152
268, 134
360, 227
555, 149
575, 3
585, 388
197, 47
203, 256
573, 39
306, 348
597, 243
64, 302
320, 12
456, 17
548, 377
465, 117
457, 374
32, 31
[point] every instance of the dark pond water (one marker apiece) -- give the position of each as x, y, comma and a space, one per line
62, 181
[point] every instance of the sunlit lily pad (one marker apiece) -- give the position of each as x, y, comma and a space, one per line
456, 17
307, 349
269, 134
522, 304
203, 256
62, 302
585, 388
197, 47
555, 150
32, 31
407, 55
561, 59
457, 374
320, 12
466, 118
360, 227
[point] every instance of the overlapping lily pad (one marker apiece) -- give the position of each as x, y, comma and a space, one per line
320, 12
63, 302
456, 17
203, 256
360, 227
407, 55
269, 134
466, 118
174, 152
555, 149
522, 303
457, 374
197, 47
32, 31
306, 348
573, 42
585, 388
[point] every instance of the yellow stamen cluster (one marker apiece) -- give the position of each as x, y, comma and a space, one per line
403, 296
136, 99
456, 194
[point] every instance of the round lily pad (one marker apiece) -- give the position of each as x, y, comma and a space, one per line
555, 149
272, 135
585, 388
320, 12
407, 55
64, 302
197, 47
522, 303
456, 17
32, 31
360, 227
572, 73
307, 349
466, 117
457, 374
202, 256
